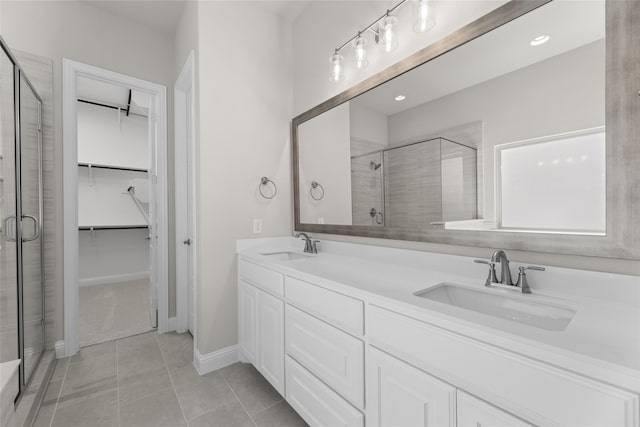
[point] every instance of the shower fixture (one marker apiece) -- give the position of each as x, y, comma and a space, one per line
375, 166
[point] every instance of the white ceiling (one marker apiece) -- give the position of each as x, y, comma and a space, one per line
158, 15
163, 15
498, 52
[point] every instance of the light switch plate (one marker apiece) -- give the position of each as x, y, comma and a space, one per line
257, 225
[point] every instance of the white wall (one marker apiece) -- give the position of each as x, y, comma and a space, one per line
105, 140
368, 125
243, 134
76, 30
111, 256
312, 46
325, 158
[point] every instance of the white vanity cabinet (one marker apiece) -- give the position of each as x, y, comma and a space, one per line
261, 322
473, 412
330, 343
401, 395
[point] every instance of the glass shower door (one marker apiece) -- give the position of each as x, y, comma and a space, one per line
8, 245
31, 204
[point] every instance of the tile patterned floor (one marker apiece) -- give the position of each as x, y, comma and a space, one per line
149, 380
113, 311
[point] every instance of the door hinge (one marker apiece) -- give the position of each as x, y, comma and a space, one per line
154, 179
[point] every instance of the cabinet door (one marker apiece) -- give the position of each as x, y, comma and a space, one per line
271, 339
401, 395
247, 311
473, 412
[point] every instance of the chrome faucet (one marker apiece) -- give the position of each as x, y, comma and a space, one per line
505, 271
505, 274
310, 246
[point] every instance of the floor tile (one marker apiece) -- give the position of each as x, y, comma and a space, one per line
137, 344
94, 351
253, 390
279, 415
100, 411
177, 349
48, 406
88, 378
158, 410
227, 415
199, 394
60, 369
135, 386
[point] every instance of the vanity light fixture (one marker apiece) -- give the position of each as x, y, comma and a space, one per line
360, 52
336, 71
540, 40
423, 19
400, 98
385, 34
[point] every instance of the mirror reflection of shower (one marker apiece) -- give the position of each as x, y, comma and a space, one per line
367, 185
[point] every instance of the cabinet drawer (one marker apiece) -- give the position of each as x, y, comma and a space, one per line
340, 310
315, 402
535, 391
473, 412
334, 356
263, 278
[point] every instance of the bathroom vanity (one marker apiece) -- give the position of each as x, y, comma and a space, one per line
344, 338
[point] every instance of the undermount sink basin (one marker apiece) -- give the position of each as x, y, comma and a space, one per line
285, 256
527, 309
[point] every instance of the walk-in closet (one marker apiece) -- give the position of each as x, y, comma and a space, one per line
114, 155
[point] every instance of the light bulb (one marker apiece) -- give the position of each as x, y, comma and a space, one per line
423, 19
360, 52
388, 36
336, 71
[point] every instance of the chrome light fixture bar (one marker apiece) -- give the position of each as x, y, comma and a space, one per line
385, 31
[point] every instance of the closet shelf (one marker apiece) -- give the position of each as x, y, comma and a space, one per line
120, 168
111, 227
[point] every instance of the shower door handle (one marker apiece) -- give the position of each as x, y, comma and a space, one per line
5, 229
187, 242
36, 227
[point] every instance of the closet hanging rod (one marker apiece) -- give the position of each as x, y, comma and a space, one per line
118, 168
129, 103
113, 227
113, 107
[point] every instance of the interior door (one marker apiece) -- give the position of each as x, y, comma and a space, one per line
8, 192
31, 227
153, 218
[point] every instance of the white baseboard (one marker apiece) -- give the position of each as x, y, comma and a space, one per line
115, 278
172, 325
59, 346
212, 361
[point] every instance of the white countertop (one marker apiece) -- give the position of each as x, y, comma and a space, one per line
602, 340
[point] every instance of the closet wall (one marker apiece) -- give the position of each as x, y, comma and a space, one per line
113, 155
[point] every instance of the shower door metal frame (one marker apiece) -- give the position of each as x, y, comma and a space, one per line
19, 74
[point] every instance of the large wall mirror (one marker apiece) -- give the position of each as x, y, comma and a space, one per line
506, 133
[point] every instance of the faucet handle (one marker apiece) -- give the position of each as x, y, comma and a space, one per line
531, 267
314, 246
522, 278
491, 278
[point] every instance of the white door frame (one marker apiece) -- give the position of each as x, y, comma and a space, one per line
185, 176
71, 70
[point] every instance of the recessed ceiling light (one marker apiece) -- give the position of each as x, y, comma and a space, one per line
400, 98
540, 40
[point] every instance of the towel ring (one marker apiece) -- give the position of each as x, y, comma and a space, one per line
264, 181
314, 185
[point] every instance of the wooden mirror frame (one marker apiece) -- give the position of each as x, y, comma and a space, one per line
622, 239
